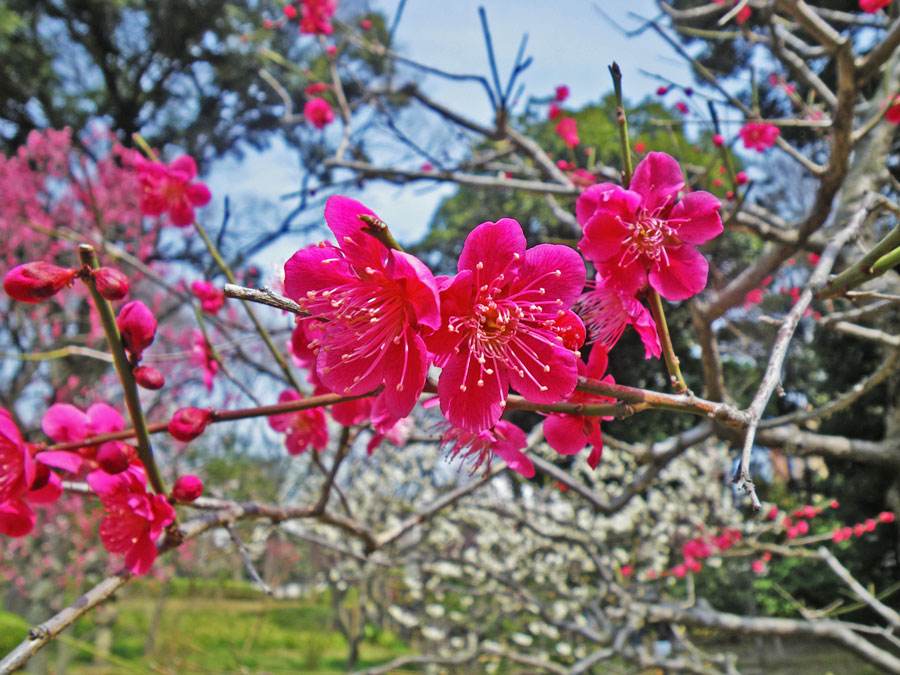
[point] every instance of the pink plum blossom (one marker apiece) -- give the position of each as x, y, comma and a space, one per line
303, 427
567, 130
758, 135
314, 15
211, 298
500, 316
318, 112
134, 519
606, 313
568, 434
504, 439
642, 235
22, 479
377, 301
169, 189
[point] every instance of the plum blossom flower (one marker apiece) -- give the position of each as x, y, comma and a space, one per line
500, 316
568, 434
65, 423
34, 282
567, 130
377, 302
134, 519
759, 136
169, 189
314, 15
318, 112
21, 479
303, 427
872, 6
211, 298
554, 112
642, 236
504, 439
606, 313
562, 93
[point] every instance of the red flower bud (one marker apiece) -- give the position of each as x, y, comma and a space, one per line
741, 178
290, 12
34, 282
718, 140
138, 327
188, 423
187, 489
149, 377
113, 457
111, 283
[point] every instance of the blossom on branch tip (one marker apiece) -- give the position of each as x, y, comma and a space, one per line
314, 15
211, 297
377, 301
34, 282
500, 319
134, 519
562, 93
567, 130
318, 112
503, 439
188, 423
642, 236
759, 136
111, 283
137, 326
169, 189
303, 427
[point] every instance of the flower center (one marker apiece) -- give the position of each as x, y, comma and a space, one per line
648, 237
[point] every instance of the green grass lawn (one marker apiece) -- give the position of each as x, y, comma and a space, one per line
219, 635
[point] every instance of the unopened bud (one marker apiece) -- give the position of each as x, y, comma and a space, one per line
111, 283
138, 327
113, 457
34, 282
187, 489
149, 377
188, 423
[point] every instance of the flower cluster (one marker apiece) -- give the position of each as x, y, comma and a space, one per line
168, 189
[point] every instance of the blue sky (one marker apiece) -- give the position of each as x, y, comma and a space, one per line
569, 40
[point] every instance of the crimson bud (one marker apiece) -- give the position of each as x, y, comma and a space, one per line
188, 423
34, 282
187, 489
111, 283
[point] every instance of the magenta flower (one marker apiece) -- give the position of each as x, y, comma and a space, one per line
606, 313
377, 302
504, 439
568, 434
562, 93
642, 235
500, 317
187, 489
567, 130
303, 427
211, 298
168, 189
64, 423
872, 6
134, 519
318, 112
314, 15
21, 479
758, 135
202, 356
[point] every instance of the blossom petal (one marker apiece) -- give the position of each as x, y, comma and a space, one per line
419, 288
553, 371
141, 556
405, 367
498, 247
342, 215
473, 408
16, 518
47, 494
565, 433
606, 228
64, 423
658, 179
60, 459
105, 419
628, 279
550, 272
314, 268
683, 276
589, 200
700, 214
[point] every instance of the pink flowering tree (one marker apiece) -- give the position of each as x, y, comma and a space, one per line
474, 423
